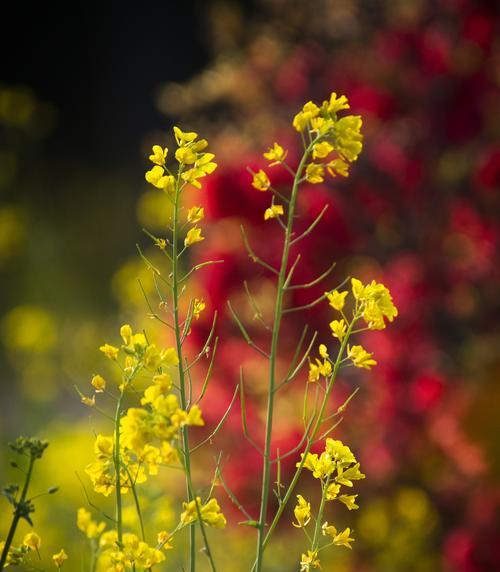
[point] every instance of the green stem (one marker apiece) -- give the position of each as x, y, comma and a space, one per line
17, 515
137, 504
182, 386
117, 463
317, 528
278, 314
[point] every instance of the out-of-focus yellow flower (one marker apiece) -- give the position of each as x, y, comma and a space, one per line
98, 383
323, 352
103, 447
315, 173
336, 299
360, 357
276, 154
60, 558
126, 334
273, 211
89, 527
164, 540
309, 561
193, 236
322, 150
198, 307
110, 351
210, 513
302, 512
159, 155
195, 214
348, 136
261, 181
339, 329
32, 541
29, 329
88, 401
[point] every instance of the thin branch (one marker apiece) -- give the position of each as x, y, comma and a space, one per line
220, 424
311, 227
198, 267
343, 407
253, 256
245, 334
244, 416
205, 346
232, 496
315, 281
305, 306
209, 372
304, 438
256, 309
290, 376
291, 271
325, 434
153, 313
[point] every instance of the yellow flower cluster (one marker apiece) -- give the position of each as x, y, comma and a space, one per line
210, 513
194, 164
134, 554
148, 434
335, 467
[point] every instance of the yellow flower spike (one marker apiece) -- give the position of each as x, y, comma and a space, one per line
360, 357
322, 150
110, 351
336, 103
348, 137
195, 214
193, 236
338, 167
89, 527
32, 541
198, 307
273, 211
302, 512
184, 138
185, 155
98, 383
315, 173
126, 334
210, 513
349, 501
323, 352
276, 155
339, 329
309, 561
159, 155
261, 181
336, 299
60, 558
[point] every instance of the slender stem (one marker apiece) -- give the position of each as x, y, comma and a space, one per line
117, 463
317, 528
17, 515
182, 384
278, 314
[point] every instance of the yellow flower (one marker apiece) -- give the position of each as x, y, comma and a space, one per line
88, 401
339, 452
339, 539
314, 371
98, 383
336, 104
156, 176
163, 381
193, 236
184, 138
315, 173
360, 357
332, 491
163, 540
320, 466
338, 167
185, 155
198, 307
261, 181
103, 447
161, 243
302, 512
159, 155
195, 214
349, 501
309, 561
109, 351
336, 299
346, 476
126, 334
88, 526
322, 150
323, 352
376, 303
60, 558
32, 541
210, 513
348, 136
276, 154
301, 120
273, 211
339, 329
